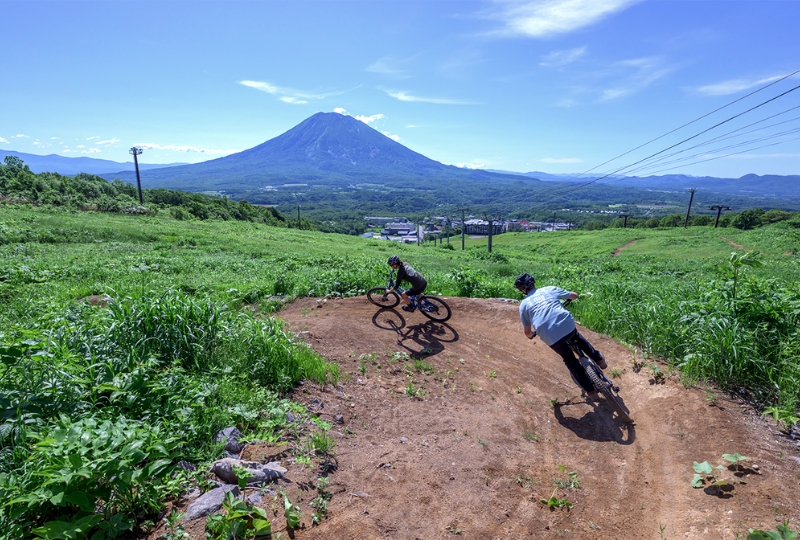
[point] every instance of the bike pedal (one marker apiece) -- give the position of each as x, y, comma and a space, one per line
616, 388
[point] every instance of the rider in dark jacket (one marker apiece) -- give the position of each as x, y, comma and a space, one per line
406, 273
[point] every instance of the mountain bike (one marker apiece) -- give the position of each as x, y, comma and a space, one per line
600, 382
432, 307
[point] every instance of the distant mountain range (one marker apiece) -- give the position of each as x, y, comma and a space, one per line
750, 185
70, 166
337, 151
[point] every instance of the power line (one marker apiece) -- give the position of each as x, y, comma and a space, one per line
691, 122
620, 169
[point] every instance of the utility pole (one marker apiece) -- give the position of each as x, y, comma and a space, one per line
625, 220
719, 210
554, 221
686, 222
463, 224
298, 216
135, 152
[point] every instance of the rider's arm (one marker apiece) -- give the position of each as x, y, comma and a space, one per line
529, 333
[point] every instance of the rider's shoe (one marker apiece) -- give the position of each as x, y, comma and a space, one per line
410, 309
594, 395
600, 361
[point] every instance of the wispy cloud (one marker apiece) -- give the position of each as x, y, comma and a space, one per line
288, 95
546, 18
366, 119
108, 141
185, 148
562, 58
470, 165
637, 74
392, 136
403, 96
561, 160
734, 86
763, 156
2, 140
92, 138
20, 136
91, 151
388, 66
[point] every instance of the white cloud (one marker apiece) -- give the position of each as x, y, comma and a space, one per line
108, 141
20, 136
395, 138
55, 138
81, 146
184, 148
472, 165
369, 119
545, 18
92, 138
288, 95
402, 96
91, 151
638, 74
561, 160
562, 58
733, 86
386, 66
2, 140
366, 119
413, 126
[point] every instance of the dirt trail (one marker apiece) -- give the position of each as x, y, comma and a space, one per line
481, 447
619, 249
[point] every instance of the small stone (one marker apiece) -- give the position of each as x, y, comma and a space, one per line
339, 418
403, 440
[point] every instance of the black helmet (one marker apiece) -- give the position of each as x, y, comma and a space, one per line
394, 259
524, 283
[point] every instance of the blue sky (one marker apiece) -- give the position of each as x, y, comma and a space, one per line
559, 86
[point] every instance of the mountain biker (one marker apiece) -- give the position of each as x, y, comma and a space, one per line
541, 312
406, 273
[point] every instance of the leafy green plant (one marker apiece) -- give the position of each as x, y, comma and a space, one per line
554, 502
493, 374
782, 532
241, 520
571, 482
173, 527
292, 513
785, 417
706, 475
320, 502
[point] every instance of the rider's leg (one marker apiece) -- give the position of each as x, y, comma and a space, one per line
572, 363
590, 351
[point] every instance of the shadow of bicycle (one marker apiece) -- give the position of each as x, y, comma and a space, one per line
420, 340
597, 424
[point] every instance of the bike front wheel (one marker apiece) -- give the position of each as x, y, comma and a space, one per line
434, 308
604, 388
379, 297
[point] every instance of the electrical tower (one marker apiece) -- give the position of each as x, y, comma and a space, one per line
686, 222
719, 210
135, 152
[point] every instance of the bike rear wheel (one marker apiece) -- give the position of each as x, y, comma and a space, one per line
604, 388
434, 308
379, 297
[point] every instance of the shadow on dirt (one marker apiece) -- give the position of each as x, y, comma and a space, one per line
596, 425
420, 340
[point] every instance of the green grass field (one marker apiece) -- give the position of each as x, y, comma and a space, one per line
176, 352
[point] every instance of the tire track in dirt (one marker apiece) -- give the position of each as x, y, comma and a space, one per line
481, 447
619, 249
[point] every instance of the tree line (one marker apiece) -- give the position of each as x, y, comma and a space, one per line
88, 192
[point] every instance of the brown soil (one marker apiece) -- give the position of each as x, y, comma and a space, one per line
619, 249
473, 455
